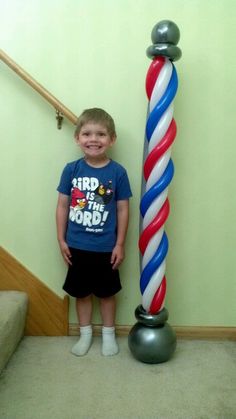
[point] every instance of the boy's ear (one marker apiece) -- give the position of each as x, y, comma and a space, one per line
113, 139
76, 137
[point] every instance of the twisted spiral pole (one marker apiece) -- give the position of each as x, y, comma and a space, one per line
158, 173
161, 88
152, 339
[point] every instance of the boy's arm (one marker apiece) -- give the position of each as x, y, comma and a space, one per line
118, 252
61, 221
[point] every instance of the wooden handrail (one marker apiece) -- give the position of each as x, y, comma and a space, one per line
38, 87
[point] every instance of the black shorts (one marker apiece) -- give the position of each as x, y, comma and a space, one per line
91, 273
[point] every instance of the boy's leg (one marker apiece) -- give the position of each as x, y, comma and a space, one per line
84, 313
84, 308
108, 312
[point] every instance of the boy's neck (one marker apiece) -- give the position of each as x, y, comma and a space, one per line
97, 162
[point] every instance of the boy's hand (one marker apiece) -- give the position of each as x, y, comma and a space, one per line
65, 251
118, 255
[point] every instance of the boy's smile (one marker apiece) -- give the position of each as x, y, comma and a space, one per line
94, 140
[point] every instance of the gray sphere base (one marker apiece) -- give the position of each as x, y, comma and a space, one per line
153, 342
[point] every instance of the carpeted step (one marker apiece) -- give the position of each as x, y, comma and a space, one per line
13, 309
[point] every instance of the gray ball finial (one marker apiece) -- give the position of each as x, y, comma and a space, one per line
165, 37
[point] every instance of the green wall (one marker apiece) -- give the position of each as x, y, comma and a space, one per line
92, 53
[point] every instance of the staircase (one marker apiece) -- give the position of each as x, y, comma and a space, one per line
47, 313
13, 310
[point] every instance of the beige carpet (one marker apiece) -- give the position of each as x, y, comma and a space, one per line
44, 381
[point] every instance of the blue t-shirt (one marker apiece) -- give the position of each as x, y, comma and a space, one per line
93, 193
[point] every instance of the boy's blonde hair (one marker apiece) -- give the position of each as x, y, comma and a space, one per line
98, 116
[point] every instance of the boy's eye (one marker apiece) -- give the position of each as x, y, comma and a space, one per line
102, 134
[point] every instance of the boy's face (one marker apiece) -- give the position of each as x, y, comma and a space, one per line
94, 140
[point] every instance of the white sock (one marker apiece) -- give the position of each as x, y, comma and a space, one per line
109, 344
84, 342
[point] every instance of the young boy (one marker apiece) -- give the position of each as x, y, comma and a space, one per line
92, 220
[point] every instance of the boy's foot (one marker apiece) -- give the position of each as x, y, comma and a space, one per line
84, 342
109, 344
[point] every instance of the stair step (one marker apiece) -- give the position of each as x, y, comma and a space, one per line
13, 309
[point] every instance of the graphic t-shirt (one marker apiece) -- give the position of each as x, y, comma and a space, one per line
94, 193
